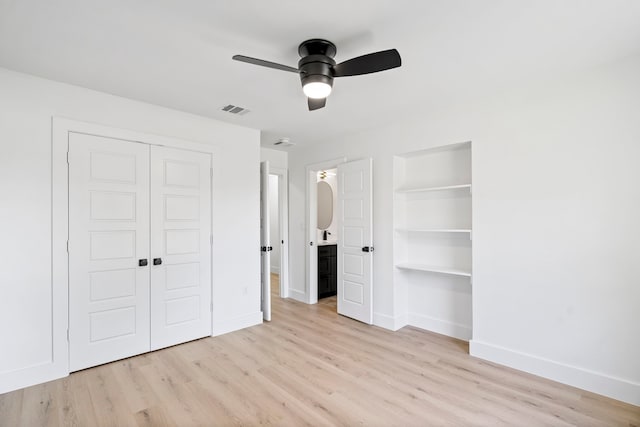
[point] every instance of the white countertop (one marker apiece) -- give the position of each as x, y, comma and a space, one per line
327, 242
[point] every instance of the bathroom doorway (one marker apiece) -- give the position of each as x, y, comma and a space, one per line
348, 227
327, 235
314, 235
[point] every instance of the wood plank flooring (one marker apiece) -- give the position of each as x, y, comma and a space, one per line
310, 366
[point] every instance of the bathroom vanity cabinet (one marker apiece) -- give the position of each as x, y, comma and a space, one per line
327, 270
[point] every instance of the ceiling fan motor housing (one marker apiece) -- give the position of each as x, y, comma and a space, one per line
316, 68
316, 64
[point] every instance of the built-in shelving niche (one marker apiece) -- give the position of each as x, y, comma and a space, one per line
433, 237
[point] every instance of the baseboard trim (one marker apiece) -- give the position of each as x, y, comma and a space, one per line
389, 322
298, 295
596, 382
31, 375
229, 325
440, 326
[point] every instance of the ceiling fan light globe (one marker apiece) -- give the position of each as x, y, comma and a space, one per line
316, 90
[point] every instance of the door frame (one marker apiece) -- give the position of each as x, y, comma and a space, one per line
312, 225
265, 242
283, 225
61, 127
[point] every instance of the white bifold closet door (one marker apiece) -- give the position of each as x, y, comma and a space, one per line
108, 234
139, 248
180, 246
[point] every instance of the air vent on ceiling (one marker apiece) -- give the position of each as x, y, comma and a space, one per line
284, 142
234, 109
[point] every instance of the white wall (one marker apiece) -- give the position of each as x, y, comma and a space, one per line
274, 226
556, 239
276, 158
27, 106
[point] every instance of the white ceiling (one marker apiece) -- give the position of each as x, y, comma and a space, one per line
178, 53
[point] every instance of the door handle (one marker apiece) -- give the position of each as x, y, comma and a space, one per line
157, 261
367, 249
143, 262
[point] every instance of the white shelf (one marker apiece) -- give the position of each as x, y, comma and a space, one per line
437, 149
433, 269
434, 230
426, 189
432, 234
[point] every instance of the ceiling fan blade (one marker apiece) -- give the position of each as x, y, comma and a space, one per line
264, 63
371, 63
315, 104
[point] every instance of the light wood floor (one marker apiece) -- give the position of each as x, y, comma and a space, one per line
310, 366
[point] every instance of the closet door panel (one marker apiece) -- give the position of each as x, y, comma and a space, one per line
108, 235
180, 246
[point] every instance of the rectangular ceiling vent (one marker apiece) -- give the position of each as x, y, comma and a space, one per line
234, 109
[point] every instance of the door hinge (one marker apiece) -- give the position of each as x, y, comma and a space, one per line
67, 335
67, 246
67, 157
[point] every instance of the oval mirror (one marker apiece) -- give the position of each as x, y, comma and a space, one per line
325, 205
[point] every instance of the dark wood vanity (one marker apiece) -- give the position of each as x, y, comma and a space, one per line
327, 270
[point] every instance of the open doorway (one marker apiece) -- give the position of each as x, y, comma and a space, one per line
352, 234
278, 231
317, 235
277, 241
327, 236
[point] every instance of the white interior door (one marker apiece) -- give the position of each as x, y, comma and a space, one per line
180, 246
108, 250
355, 245
265, 243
